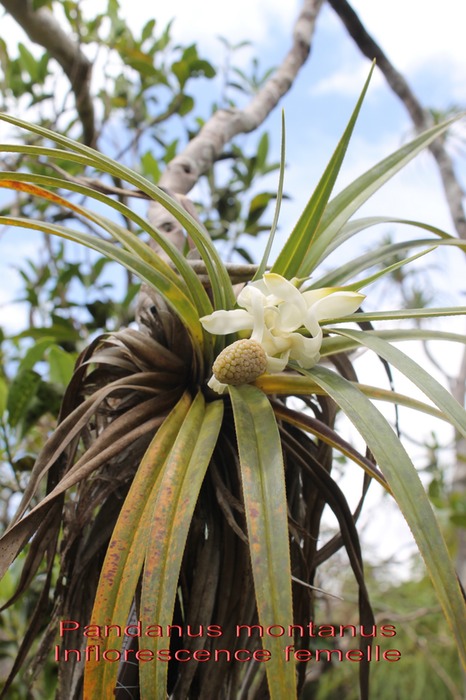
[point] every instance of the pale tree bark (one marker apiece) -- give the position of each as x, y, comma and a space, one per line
43, 28
204, 149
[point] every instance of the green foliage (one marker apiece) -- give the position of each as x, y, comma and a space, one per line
236, 209
450, 502
428, 667
14, 625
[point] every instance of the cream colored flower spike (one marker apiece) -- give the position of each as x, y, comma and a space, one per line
282, 320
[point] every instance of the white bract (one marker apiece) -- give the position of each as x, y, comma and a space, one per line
284, 320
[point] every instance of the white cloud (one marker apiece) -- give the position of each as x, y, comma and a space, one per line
414, 32
420, 39
255, 20
347, 82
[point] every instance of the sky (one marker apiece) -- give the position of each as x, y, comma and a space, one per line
423, 40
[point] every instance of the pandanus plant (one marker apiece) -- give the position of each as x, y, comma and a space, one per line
183, 487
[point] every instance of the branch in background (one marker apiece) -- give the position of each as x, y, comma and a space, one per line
420, 117
205, 148
97, 184
43, 29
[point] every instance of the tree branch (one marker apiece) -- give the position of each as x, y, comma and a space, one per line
185, 169
43, 29
420, 117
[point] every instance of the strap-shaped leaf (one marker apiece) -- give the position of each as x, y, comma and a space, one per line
125, 555
380, 254
408, 492
172, 291
293, 385
127, 238
395, 314
415, 373
347, 202
303, 236
261, 268
263, 480
177, 492
23, 182
390, 269
219, 279
116, 438
334, 344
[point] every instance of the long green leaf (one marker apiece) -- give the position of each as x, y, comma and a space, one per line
125, 555
263, 479
221, 284
408, 491
303, 236
347, 202
370, 279
128, 239
415, 373
24, 182
265, 257
339, 275
172, 292
294, 385
379, 255
177, 492
405, 314
333, 345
